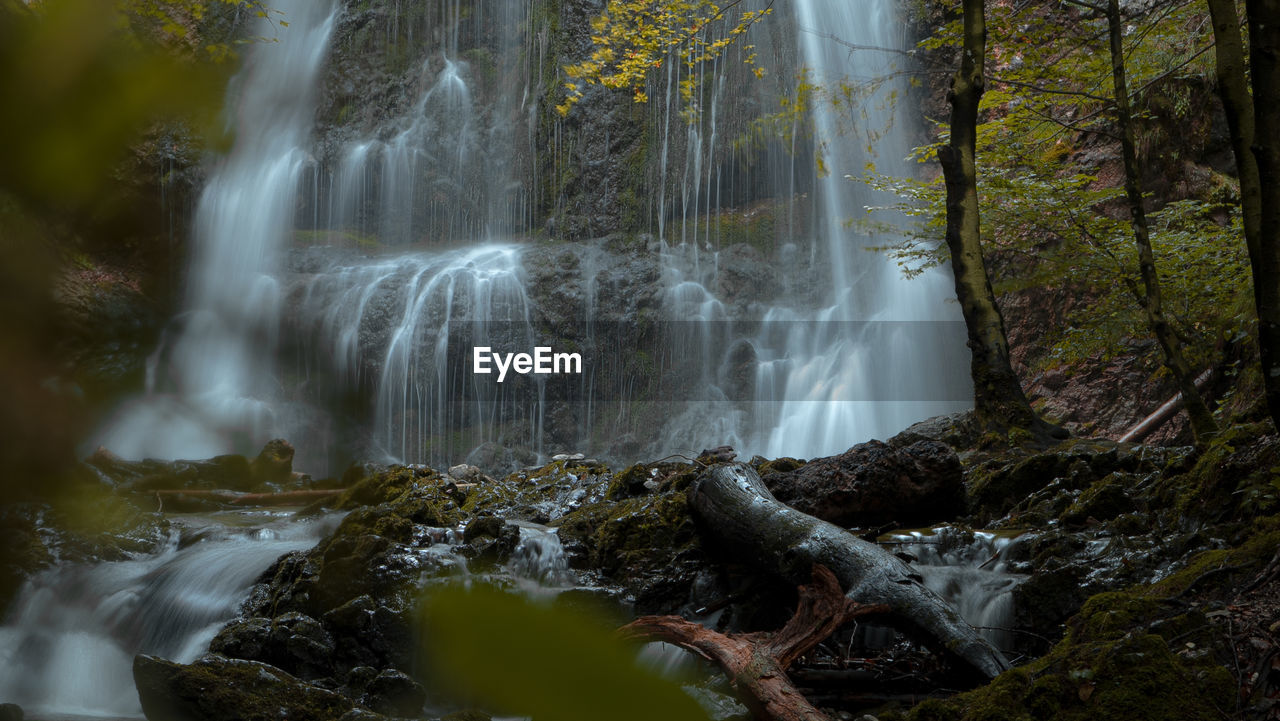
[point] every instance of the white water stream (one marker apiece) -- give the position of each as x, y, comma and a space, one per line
68, 641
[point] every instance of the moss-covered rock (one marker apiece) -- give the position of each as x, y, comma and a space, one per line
1106, 668
216, 688
999, 485
385, 487
1236, 474
1102, 501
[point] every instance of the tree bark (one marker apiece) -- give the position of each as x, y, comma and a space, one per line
1202, 423
737, 510
997, 394
1264, 146
757, 663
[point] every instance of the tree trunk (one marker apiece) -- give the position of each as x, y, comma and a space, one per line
1202, 423
739, 512
997, 394
1264, 142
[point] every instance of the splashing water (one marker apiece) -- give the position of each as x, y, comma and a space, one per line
68, 644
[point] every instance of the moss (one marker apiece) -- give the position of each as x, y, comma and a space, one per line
377, 521
1102, 501
1237, 471
629, 482
779, 465
1244, 560
1111, 614
644, 533
492, 497
390, 485
1130, 678
1079, 463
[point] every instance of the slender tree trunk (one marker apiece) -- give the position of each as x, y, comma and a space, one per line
998, 397
1264, 144
1202, 423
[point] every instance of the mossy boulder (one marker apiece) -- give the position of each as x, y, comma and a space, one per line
216, 688
273, 466
387, 486
1103, 501
997, 486
873, 484
649, 545
1106, 668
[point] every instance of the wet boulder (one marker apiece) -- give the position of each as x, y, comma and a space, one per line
10, 712
394, 693
873, 484
491, 539
368, 633
216, 688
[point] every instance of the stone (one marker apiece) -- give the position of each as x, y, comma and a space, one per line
395, 693
873, 484
10, 712
216, 688
466, 473
248, 639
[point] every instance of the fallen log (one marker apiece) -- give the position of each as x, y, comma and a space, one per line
757, 663
1161, 415
736, 509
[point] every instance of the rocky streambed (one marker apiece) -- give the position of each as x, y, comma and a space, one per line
1123, 581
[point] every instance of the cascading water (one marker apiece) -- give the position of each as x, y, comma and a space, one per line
969, 569
848, 350
877, 351
427, 312
211, 389
68, 643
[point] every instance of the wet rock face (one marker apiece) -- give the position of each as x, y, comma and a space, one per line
873, 484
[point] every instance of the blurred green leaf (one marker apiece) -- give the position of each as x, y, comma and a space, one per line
513, 656
76, 88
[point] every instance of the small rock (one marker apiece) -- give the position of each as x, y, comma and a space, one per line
719, 454
568, 457
466, 473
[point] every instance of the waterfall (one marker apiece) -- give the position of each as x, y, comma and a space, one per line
211, 388
969, 569
407, 216
872, 351
68, 643
422, 314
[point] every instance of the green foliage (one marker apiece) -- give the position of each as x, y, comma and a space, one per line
515, 657
1049, 188
633, 37
77, 87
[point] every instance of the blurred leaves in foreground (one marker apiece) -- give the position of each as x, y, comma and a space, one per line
77, 86
512, 656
